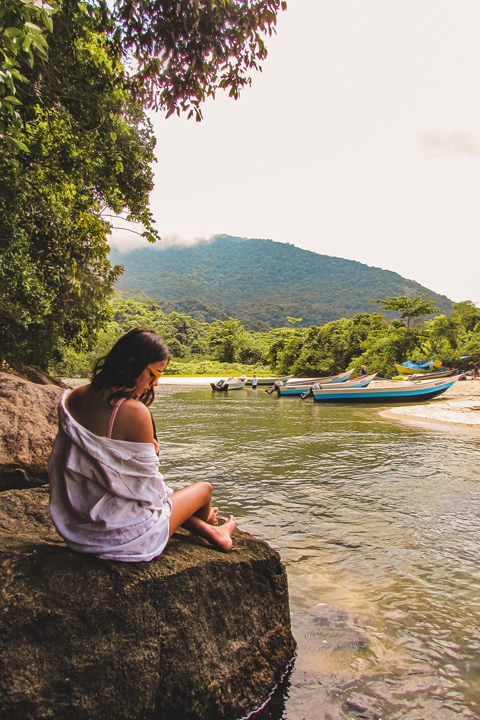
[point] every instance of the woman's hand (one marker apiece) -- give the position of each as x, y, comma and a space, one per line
156, 446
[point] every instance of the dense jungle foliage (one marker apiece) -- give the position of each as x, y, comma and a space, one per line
261, 282
76, 147
224, 347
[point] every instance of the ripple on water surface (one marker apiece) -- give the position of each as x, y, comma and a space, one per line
379, 527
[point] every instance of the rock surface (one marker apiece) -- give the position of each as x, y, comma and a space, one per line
28, 425
194, 634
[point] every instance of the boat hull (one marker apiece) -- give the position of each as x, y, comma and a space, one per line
381, 395
270, 380
410, 371
342, 377
436, 376
360, 382
228, 386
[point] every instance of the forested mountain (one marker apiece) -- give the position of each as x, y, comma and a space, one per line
261, 282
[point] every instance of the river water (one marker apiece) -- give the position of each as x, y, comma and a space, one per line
378, 525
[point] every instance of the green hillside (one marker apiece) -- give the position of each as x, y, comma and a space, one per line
260, 282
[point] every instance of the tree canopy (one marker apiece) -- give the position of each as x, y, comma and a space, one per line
76, 147
408, 307
90, 153
173, 53
185, 50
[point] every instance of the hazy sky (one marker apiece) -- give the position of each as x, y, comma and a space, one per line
360, 139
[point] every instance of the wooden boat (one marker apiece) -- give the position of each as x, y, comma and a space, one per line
342, 377
411, 392
304, 390
230, 383
270, 380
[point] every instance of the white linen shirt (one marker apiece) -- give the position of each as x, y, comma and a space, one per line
107, 497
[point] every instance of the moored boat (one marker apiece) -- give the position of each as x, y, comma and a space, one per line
411, 392
270, 380
433, 376
405, 370
306, 383
341, 377
304, 390
230, 383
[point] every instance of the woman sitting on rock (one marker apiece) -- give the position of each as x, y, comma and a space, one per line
107, 497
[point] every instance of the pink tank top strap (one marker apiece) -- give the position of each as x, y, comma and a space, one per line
113, 416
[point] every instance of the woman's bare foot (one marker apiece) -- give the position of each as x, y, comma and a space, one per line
222, 535
213, 517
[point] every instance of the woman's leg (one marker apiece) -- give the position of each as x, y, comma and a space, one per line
191, 507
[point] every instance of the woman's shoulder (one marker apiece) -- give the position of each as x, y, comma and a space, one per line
133, 422
134, 410
74, 399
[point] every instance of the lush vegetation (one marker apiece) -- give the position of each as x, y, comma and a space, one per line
217, 348
76, 148
261, 282
372, 340
224, 347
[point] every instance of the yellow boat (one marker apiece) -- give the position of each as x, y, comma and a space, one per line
410, 371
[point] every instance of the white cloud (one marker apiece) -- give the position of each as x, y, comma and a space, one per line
436, 143
124, 240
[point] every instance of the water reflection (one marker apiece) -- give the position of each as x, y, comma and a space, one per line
378, 525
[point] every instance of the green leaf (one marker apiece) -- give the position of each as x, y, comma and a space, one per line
39, 41
12, 99
48, 21
12, 32
33, 27
18, 75
13, 143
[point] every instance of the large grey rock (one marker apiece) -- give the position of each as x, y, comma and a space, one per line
193, 634
28, 425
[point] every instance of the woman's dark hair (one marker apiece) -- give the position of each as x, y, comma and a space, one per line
126, 361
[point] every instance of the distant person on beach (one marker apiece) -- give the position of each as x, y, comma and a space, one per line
107, 497
254, 382
363, 370
475, 371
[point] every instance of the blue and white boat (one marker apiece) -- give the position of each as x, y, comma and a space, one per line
298, 386
305, 390
413, 392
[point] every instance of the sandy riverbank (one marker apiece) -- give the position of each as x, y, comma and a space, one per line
458, 408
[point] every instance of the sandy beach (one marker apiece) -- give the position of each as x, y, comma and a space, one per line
458, 408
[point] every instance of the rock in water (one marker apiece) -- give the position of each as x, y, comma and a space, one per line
28, 425
194, 634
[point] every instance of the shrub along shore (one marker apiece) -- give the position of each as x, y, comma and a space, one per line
224, 347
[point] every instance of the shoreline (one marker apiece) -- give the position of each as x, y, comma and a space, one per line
457, 410
431, 423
